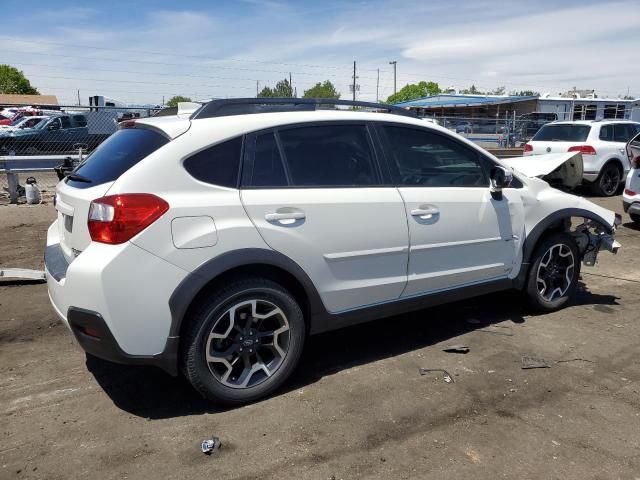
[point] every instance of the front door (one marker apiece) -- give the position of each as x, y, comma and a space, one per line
459, 234
315, 195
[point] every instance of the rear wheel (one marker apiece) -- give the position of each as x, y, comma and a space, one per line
554, 273
243, 342
608, 181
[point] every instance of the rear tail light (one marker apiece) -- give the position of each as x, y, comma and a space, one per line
118, 218
528, 148
635, 163
629, 192
583, 149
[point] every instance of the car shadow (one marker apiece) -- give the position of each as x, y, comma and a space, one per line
149, 392
632, 226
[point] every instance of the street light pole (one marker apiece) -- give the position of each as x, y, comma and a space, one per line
394, 63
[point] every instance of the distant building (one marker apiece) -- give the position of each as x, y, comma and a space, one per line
569, 106
7, 99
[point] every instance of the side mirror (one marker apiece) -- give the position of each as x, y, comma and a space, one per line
501, 177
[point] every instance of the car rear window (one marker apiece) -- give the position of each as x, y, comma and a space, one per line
562, 133
116, 155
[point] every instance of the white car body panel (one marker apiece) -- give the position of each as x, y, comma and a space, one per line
569, 166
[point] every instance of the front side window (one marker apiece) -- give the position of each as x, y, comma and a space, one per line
66, 123
329, 155
218, 165
426, 159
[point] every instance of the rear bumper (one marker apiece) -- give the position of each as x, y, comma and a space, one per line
101, 342
119, 291
631, 207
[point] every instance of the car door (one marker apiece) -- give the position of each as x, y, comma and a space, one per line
458, 233
622, 134
315, 194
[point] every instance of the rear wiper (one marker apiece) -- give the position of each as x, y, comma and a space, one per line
78, 178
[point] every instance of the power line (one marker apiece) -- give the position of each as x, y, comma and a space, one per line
168, 54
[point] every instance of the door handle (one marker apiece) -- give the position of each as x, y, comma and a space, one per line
280, 216
425, 213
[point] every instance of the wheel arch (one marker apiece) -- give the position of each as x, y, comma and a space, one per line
558, 221
256, 262
617, 162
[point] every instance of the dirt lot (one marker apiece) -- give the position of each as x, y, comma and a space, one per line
356, 408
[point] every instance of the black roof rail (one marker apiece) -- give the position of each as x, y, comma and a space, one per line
243, 106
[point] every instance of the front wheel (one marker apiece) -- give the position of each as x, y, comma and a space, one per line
243, 342
554, 273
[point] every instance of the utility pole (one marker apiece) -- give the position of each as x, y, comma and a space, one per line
79, 98
354, 80
377, 86
394, 63
257, 87
290, 83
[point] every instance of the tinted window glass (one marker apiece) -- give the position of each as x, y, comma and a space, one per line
623, 132
66, 123
562, 133
80, 120
218, 165
332, 155
267, 163
426, 159
606, 133
116, 155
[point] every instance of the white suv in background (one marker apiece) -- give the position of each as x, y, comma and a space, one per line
215, 243
631, 193
602, 145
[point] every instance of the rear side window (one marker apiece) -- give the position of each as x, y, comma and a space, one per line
268, 170
116, 155
80, 120
606, 133
331, 155
66, 123
562, 133
218, 165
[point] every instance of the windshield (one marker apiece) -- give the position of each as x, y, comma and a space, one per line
116, 155
562, 133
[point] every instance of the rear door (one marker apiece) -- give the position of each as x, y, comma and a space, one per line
315, 193
458, 233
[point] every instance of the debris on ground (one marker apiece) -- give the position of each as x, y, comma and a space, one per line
445, 375
574, 360
529, 361
497, 330
210, 445
456, 349
22, 273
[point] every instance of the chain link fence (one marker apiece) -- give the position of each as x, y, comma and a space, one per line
34, 140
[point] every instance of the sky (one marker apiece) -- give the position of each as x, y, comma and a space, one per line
143, 51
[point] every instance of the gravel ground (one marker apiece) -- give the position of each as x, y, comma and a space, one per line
356, 408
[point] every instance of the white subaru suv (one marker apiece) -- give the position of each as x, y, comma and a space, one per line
601, 143
214, 243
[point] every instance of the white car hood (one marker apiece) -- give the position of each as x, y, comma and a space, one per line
557, 168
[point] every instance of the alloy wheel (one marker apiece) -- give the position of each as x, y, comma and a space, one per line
555, 272
247, 343
610, 181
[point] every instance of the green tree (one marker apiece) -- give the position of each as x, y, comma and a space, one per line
322, 90
173, 101
13, 80
282, 89
413, 91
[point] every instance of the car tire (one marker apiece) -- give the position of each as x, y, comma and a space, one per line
243, 341
608, 182
553, 276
